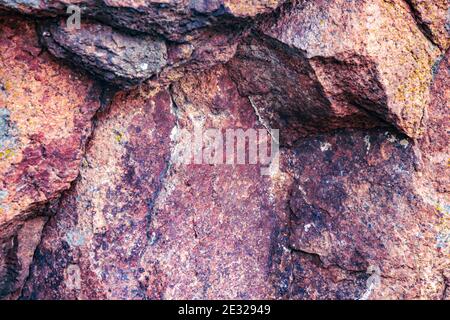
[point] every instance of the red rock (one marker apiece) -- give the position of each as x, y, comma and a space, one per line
43, 127
126, 60
369, 53
433, 18
359, 208
109, 210
173, 231
362, 215
288, 94
117, 57
172, 19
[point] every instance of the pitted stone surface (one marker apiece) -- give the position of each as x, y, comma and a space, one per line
95, 205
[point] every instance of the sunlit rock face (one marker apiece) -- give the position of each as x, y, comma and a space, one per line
95, 204
45, 119
173, 230
433, 19
371, 53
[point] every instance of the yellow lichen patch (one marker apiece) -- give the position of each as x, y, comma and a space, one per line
118, 136
84, 163
442, 211
7, 86
7, 154
404, 60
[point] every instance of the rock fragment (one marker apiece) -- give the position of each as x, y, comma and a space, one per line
118, 58
174, 20
369, 52
45, 120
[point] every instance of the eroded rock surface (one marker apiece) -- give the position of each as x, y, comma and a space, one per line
359, 208
116, 57
433, 18
109, 211
173, 231
371, 53
125, 60
286, 91
173, 19
45, 119
361, 228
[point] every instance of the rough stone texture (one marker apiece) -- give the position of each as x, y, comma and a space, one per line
433, 17
358, 210
287, 93
118, 58
126, 60
371, 52
45, 113
362, 215
182, 36
173, 19
103, 224
173, 231
16, 255
434, 155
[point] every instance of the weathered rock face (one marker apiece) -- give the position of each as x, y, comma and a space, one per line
173, 231
117, 57
433, 18
173, 19
45, 114
197, 34
434, 151
369, 53
287, 93
109, 211
359, 208
342, 246
126, 60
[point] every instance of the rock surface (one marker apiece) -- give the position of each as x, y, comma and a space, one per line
126, 60
287, 93
45, 119
369, 53
184, 231
359, 208
173, 19
117, 57
361, 228
108, 213
433, 17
